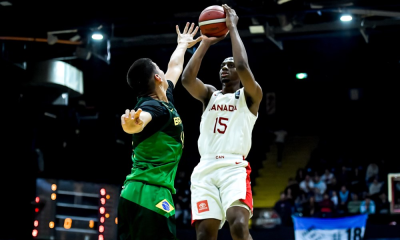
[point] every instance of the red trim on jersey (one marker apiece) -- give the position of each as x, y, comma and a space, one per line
193, 221
249, 195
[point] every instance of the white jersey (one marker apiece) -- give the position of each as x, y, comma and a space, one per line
226, 125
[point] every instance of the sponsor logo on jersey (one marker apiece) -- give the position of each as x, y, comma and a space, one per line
221, 107
237, 162
165, 206
219, 157
202, 206
177, 120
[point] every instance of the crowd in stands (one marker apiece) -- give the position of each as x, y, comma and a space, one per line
333, 192
183, 214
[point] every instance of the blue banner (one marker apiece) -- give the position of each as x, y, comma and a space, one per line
344, 228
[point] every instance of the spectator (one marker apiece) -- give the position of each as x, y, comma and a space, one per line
383, 167
371, 173
332, 186
300, 201
382, 205
311, 208
326, 206
300, 175
284, 208
344, 198
375, 187
289, 196
353, 206
294, 187
357, 182
335, 199
343, 176
327, 176
182, 197
178, 214
367, 206
319, 188
307, 185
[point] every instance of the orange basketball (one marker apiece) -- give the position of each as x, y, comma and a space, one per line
212, 21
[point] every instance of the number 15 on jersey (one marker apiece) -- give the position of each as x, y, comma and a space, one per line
220, 125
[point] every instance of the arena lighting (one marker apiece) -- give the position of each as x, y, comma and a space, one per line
346, 18
34, 232
53, 187
255, 29
102, 210
97, 36
36, 223
103, 191
301, 75
101, 237
37, 199
101, 228
67, 223
103, 201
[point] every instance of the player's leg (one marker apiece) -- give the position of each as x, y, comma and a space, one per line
237, 199
146, 212
207, 210
207, 229
238, 219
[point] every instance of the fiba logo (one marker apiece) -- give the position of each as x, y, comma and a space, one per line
202, 206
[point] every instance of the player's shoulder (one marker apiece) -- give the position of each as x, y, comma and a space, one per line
149, 103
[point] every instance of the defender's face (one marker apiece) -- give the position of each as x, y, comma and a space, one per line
228, 72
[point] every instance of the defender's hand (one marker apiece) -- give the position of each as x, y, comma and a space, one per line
187, 35
131, 119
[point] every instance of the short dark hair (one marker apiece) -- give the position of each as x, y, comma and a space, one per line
139, 76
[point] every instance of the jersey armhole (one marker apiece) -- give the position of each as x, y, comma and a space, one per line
243, 104
213, 95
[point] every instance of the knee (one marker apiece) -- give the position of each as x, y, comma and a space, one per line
205, 235
239, 229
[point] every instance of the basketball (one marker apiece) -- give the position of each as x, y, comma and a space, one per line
212, 21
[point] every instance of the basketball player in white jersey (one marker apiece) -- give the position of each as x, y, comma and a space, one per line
220, 183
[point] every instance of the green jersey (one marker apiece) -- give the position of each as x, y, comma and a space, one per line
158, 148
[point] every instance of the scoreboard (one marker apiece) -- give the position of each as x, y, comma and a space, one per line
67, 209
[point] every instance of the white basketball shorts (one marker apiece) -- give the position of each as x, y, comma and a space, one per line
217, 183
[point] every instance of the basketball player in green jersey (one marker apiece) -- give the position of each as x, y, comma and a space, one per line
146, 210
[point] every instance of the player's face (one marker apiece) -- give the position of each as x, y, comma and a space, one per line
228, 73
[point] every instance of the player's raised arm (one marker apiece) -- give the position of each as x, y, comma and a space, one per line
195, 86
185, 41
134, 122
251, 87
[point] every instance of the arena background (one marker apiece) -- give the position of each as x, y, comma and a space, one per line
68, 128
